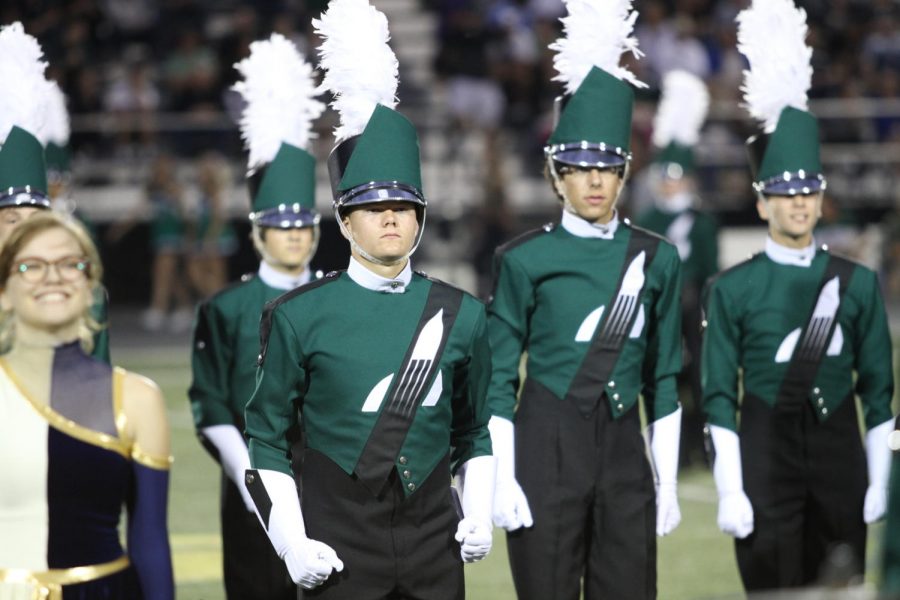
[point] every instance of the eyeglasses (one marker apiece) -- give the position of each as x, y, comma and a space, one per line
68, 268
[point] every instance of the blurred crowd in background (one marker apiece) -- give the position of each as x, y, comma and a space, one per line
148, 86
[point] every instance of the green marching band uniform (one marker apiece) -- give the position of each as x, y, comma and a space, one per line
387, 379
793, 334
596, 309
225, 350
676, 214
308, 369
798, 324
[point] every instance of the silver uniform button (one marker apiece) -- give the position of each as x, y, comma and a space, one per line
406, 474
250, 478
612, 384
620, 406
821, 401
411, 486
824, 411
616, 396
403, 460
816, 390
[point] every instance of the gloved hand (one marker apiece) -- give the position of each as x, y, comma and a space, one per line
477, 477
309, 562
735, 511
878, 455
233, 456
474, 539
511, 510
665, 438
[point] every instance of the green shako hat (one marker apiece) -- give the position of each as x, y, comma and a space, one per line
23, 176
676, 161
57, 159
676, 126
283, 192
276, 125
56, 132
784, 158
376, 156
23, 173
786, 162
382, 163
593, 127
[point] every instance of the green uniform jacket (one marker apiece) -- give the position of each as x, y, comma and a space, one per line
754, 306
700, 256
328, 349
226, 346
547, 283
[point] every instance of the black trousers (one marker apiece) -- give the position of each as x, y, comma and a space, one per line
392, 547
591, 492
807, 482
692, 419
252, 569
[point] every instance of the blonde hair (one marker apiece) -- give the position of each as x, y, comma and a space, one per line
19, 238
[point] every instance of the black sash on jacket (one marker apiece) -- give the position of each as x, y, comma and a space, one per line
589, 382
813, 341
412, 382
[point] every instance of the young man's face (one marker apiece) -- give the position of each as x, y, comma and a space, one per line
592, 192
385, 230
11, 217
791, 218
288, 248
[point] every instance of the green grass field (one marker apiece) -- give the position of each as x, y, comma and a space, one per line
695, 562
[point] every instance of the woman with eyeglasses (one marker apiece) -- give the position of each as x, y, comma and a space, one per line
78, 438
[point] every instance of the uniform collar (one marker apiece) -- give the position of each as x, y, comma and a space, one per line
798, 257
372, 281
281, 281
583, 229
674, 204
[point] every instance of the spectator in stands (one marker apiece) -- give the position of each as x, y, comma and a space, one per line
191, 73
163, 207
213, 238
133, 96
474, 98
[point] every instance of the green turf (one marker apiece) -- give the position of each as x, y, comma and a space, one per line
695, 562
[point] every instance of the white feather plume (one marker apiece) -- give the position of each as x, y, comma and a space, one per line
56, 127
280, 95
23, 101
597, 33
682, 110
772, 35
361, 70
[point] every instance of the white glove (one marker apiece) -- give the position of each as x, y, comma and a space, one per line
309, 562
233, 455
474, 531
878, 454
665, 438
511, 510
735, 511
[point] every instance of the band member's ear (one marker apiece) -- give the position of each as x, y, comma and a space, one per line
762, 207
